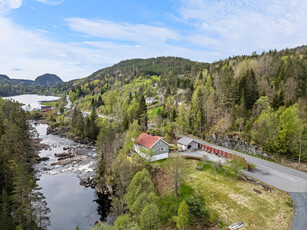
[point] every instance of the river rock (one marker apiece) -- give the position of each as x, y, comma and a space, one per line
57, 130
88, 182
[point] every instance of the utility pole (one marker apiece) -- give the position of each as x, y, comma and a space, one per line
299, 156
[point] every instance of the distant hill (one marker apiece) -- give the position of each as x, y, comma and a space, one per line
48, 80
43, 80
9, 87
4, 78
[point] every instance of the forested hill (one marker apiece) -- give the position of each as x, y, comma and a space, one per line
261, 98
9, 87
48, 80
129, 69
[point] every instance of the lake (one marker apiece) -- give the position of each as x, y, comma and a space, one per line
33, 100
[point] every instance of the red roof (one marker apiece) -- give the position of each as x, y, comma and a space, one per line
147, 140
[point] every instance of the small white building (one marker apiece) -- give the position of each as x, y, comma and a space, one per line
186, 143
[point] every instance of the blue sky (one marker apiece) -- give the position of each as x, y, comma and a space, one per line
73, 38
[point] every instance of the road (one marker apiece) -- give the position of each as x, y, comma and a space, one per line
85, 113
102, 116
68, 106
282, 178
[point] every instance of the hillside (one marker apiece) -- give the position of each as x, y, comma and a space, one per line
260, 99
129, 69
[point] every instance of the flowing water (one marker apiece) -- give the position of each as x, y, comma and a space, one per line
70, 203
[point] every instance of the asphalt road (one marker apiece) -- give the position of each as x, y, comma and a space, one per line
102, 116
300, 216
282, 178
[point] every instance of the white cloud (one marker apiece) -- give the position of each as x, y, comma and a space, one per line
241, 27
51, 2
213, 30
7, 5
121, 31
36, 54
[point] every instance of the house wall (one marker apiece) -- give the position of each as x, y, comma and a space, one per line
159, 157
194, 145
155, 157
160, 148
182, 147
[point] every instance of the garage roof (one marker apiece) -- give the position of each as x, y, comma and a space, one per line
185, 141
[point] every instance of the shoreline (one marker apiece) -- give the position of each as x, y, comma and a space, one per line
67, 158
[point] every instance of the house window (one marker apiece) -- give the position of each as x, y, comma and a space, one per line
162, 149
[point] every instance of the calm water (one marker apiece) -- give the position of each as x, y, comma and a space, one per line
70, 203
33, 100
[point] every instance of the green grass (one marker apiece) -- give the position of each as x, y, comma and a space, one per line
153, 112
235, 200
50, 103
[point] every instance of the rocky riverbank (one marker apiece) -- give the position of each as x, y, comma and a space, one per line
37, 146
64, 132
64, 153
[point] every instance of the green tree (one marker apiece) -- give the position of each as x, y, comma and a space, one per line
141, 191
149, 218
236, 165
182, 221
290, 129
124, 222
177, 169
142, 114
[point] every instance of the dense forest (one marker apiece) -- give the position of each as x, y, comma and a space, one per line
22, 205
260, 98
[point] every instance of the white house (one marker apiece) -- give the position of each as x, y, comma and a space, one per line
156, 143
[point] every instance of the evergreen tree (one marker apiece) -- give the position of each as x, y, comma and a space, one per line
100, 101
142, 114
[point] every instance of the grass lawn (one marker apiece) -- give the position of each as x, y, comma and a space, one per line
235, 200
50, 103
153, 112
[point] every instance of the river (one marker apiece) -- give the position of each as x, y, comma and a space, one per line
70, 203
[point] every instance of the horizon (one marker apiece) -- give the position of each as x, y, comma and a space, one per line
73, 39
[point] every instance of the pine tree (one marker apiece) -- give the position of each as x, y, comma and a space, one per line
100, 101
142, 114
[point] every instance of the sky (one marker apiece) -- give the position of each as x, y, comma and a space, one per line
73, 38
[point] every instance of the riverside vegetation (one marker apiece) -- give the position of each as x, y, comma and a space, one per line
22, 205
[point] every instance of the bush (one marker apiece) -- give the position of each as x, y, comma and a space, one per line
124, 222
199, 215
168, 207
185, 190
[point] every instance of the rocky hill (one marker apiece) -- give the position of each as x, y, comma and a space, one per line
48, 80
